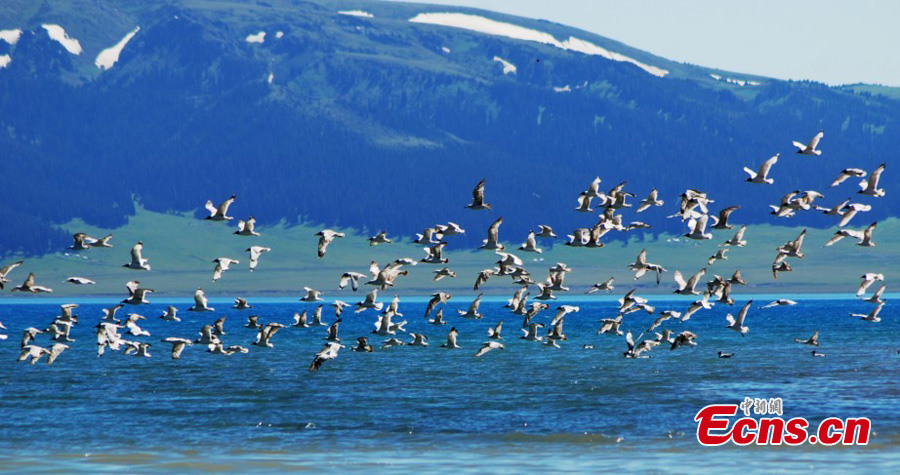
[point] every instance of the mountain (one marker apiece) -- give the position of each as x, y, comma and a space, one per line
349, 114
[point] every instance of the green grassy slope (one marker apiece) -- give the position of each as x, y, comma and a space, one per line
181, 249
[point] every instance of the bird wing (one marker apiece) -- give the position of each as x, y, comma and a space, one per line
679, 280
742, 314
223, 208
767, 165
494, 230
814, 142
478, 193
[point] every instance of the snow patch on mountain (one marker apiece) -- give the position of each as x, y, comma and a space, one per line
58, 34
508, 68
358, 13
739, 82
108, 57
256, 38
509, 30
10, 36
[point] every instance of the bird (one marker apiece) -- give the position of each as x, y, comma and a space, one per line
688, 288
780, 265
451, 339
723, 354
864, 237
876, 297
584, 203
472, 312
300, 320
530, 244
847, 173
817, 354
813, 340
761, 177
317, 318
871, 316
488, 346
718, 256
698, 228
102, 242
266, 333
441, 273
494, 332
333, 332
738, 324
339, 306
138, 262
222, 265
247, 228
794, 248
869, 186
328, 352
255, 252
369, 302
779, 302
5, 270
722, 221
241, 303
663, 316
325, 238
738, 239
253, 322
478, 198
530, 333
80, 243
80, 281
219, 326
849, 211
178, 345
200, 302
434, 254
136, 294
684, 338
602, 286
418, 339
31, 287
140, 350
641, 267
133, 327
109, 314
635, 351
219, 213
393, 341
438, 318
34, 352
436, 298
362, 345
610, 326
312, 295
545, 232
171, 314
493, 240
810, 148
651, 200
380, 238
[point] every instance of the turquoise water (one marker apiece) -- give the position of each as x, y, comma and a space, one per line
526, 408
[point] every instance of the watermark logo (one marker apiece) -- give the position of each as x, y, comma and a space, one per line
715, 428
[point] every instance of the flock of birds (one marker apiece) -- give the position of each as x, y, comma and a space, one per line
693, 209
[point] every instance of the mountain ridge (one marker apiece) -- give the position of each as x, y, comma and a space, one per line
376, 105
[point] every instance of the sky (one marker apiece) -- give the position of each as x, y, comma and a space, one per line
835, 42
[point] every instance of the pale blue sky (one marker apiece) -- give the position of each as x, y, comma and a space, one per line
836, 42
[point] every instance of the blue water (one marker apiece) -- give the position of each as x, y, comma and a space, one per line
527, 408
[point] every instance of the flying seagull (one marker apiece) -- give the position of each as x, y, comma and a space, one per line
219, 213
